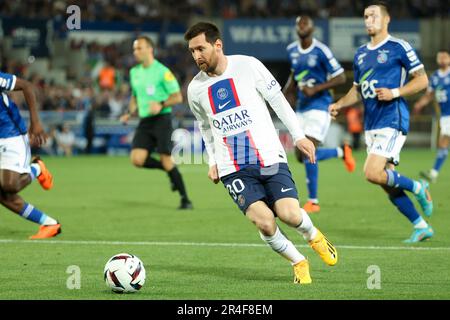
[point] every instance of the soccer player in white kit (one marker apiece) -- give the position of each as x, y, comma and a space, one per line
227, 98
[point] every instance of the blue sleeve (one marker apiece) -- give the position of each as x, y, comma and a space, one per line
7, 81
332, 66
433, 82
408, 57
356, 74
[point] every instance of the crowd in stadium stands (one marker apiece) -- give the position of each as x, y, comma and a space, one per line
137, 11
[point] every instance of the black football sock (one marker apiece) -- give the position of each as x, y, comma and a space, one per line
152, 163
177, 180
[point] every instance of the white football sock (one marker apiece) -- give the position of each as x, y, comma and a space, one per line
340, 152
306, 228
37, 169
49, 221
421, 224
282, 245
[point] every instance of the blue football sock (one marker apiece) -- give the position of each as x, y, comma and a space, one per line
396, 180
34, 172
324, 154
441, 156
31, 213
406, 207
312, 175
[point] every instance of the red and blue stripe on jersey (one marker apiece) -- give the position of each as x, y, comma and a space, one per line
223, 97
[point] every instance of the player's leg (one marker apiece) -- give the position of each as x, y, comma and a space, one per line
441, 156
263, 218
282, 196
11, 200
401, 200
177, 180
247, 191
386, 144
142, 145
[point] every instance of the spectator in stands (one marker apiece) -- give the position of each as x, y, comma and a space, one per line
65, 140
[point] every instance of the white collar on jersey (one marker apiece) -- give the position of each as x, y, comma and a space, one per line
443, 74
380, 44
307, 50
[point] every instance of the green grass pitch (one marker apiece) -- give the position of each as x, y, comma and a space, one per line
106, 206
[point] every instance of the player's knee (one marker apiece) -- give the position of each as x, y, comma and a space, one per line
10, 187
137, 161
373, 176
289, 215
267, 227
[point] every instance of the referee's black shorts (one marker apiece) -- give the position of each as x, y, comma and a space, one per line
154, 134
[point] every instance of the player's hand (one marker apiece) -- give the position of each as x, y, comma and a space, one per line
307, 147
333, 109
155, 107
124, 118
37, 135
213, 174
384, 94
309, 91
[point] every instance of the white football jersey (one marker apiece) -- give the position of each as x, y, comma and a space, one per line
233, 117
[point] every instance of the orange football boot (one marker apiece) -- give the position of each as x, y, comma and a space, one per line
47, 232
311, 207
45, 178
349, 161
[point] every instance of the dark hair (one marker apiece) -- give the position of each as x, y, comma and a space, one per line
147, 39
210, 30
443, 49
383, 6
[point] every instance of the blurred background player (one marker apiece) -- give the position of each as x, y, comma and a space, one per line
378, 77
227, 98
154, 91
314, 72
439, 88
15, 170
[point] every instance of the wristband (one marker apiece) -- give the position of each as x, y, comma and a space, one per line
395, 92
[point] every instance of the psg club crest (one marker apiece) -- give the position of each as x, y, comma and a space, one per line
241, 200
382, 57
222, 93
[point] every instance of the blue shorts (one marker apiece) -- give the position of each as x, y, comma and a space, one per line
254, 183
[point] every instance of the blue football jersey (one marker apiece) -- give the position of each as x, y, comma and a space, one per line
440, 84
11, 123
312, 66
385, 66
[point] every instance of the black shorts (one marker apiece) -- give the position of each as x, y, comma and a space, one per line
154, 134
267, 184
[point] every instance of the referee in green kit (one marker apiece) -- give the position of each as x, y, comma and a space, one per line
154, 91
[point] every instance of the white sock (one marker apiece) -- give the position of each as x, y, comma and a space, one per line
340, 152
49, 221
434, 173
315, 200
421, 224
36, 172
306, 228
282, 245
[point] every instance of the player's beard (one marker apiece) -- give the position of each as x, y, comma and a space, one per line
208, 66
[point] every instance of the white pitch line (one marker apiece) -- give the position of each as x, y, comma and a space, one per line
205, 244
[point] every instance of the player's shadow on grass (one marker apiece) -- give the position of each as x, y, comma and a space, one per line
229, 273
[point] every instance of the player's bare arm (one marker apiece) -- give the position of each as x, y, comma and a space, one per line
173, 99
418, 82
289, 89
333, 82
352, 97
36, 133
132, 107
423, 101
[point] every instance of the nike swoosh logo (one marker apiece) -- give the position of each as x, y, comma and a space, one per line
285, 190
221, 106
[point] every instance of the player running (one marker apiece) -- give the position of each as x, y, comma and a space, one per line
15, 170
315, 70
439, 88
380, 69
227, 98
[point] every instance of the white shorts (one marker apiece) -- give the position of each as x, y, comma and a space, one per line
315, 123
15, 154
445, 126
385, 142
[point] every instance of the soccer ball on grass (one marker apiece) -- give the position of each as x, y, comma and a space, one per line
124, 273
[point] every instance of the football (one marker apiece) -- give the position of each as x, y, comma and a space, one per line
124, 273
